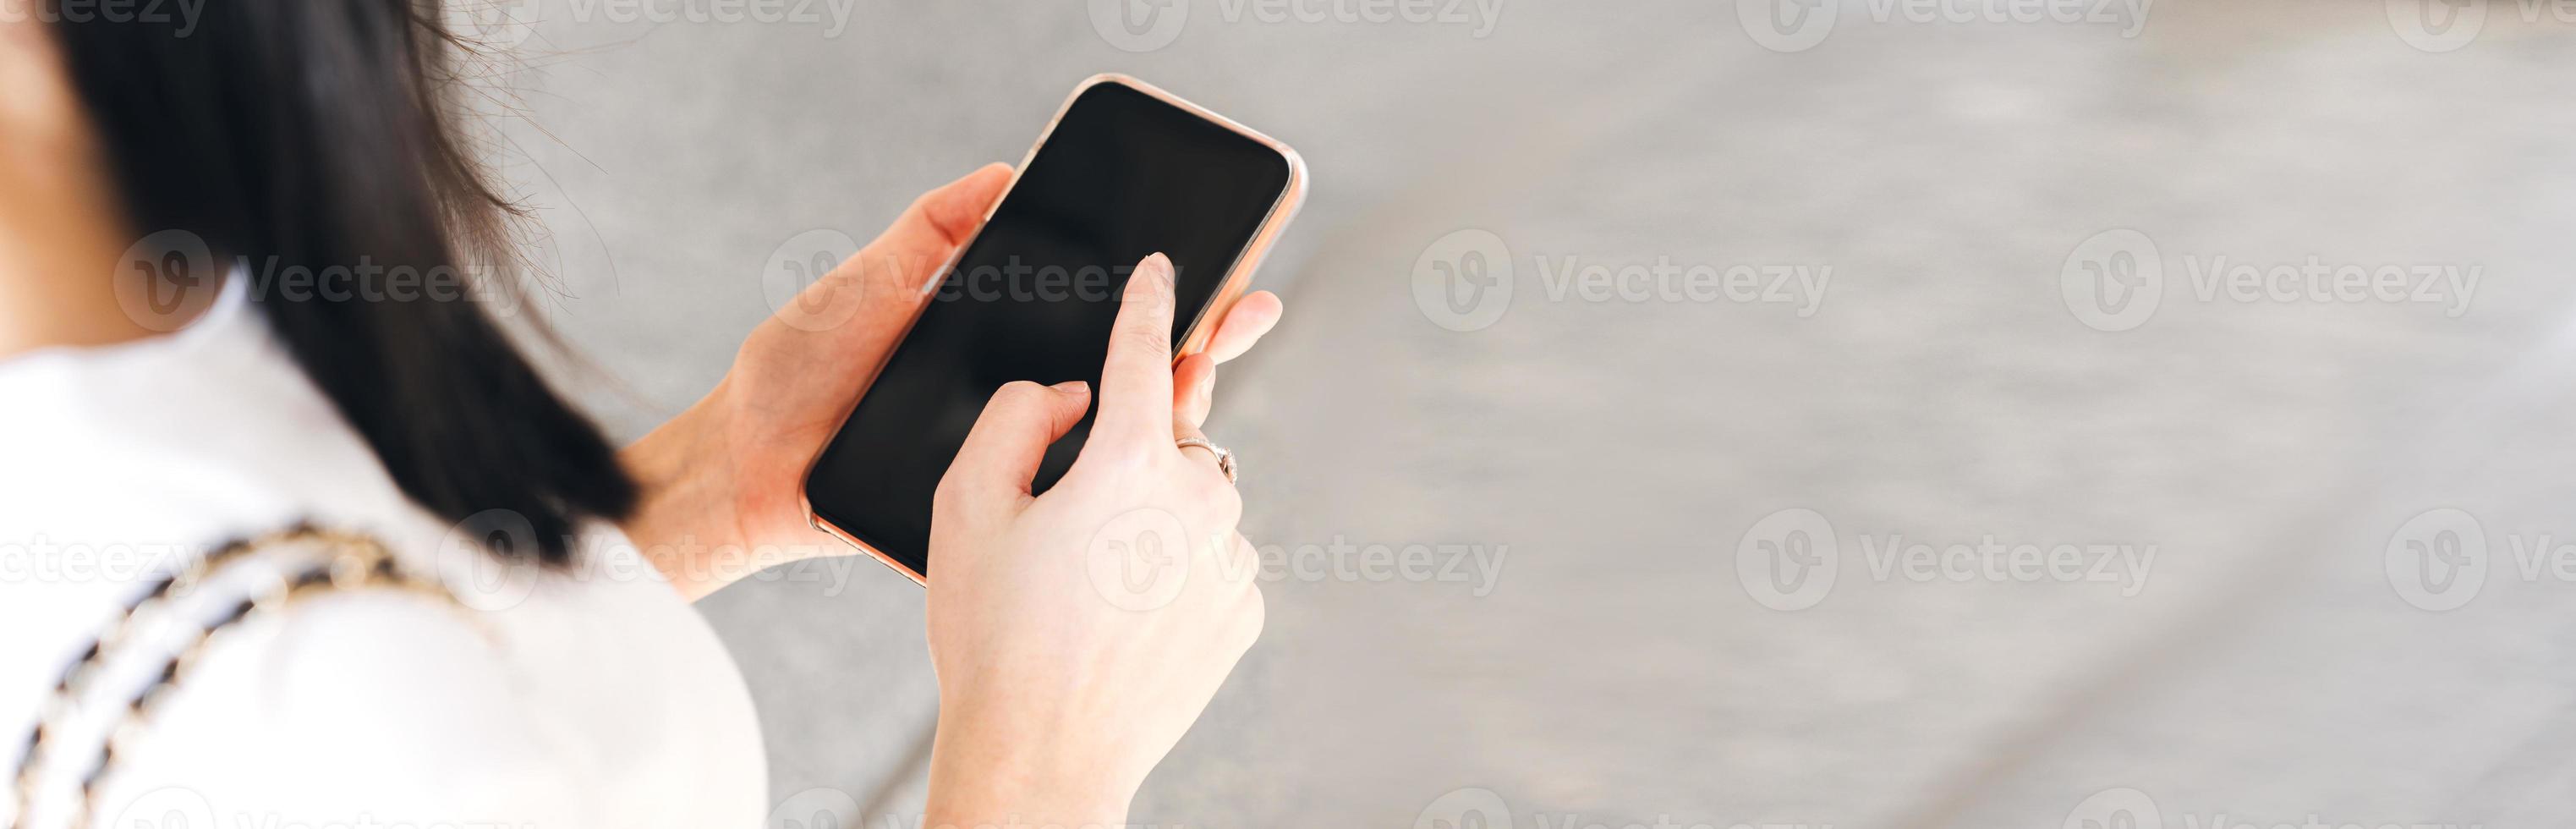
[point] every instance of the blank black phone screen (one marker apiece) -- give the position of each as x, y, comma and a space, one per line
1033, 297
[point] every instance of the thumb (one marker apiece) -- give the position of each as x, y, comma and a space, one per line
1002, 452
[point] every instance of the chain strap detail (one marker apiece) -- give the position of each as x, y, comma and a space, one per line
354, 561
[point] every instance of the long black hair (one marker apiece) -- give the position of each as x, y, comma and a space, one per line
305, 135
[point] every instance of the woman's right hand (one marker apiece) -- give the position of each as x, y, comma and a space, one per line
1078, 634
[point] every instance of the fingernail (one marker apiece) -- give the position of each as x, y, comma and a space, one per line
1160, 266
1071, 387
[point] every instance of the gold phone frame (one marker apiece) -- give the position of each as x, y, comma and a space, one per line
1291, 197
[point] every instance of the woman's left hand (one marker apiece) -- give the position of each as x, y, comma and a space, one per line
723, 481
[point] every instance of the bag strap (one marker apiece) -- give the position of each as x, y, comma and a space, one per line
343, 562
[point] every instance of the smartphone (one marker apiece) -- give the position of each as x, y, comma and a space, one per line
1123, 170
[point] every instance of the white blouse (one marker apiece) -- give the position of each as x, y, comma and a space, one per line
589, 698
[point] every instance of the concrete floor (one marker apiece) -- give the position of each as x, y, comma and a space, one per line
1621, 456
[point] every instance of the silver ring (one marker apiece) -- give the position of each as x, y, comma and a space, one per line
1224, 456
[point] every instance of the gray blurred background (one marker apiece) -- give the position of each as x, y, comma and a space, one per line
2355, 613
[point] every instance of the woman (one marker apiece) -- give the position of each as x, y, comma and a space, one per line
156, 404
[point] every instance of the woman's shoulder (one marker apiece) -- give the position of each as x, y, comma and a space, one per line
184, 433
495, 694
534, 696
